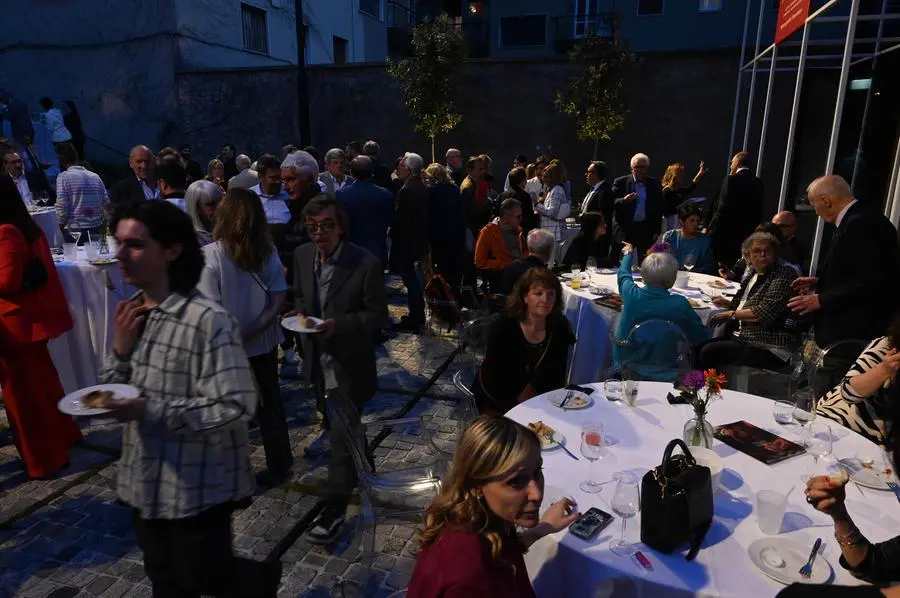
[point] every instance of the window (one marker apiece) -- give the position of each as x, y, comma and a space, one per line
586, 18
340, 50
525, 31
256, 38
648, 8
710, 5
371, 7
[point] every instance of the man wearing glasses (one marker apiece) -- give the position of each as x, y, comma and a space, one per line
638, 206
342, 284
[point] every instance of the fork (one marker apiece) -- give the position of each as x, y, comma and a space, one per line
895, 489
806, 570
569, 395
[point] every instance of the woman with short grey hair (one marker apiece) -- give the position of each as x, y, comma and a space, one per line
659, 271
200, 202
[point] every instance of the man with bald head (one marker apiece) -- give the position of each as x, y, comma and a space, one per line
792, 250
141, 184
455, 170
855, 294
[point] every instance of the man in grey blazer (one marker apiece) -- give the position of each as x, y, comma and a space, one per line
335, 176
343, 284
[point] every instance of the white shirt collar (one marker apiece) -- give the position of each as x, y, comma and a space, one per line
742, 168
843, 213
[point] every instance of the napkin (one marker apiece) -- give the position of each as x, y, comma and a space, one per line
585, 389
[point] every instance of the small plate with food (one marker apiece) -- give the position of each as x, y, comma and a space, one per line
718, 283
697, 304
865, 472
88, 401
302, 324
571, 399
103, 261
550, 438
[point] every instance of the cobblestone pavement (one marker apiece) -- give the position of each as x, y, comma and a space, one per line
68, 536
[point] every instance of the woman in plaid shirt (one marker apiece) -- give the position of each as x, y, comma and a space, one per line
762, 333
185, 459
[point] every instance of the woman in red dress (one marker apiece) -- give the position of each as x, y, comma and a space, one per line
469, 547
33, 309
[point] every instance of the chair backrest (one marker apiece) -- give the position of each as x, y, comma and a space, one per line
833, 364
655, 350
343, 415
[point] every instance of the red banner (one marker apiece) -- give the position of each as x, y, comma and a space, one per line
791, 16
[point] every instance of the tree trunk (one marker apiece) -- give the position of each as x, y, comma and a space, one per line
432, 150
596, 143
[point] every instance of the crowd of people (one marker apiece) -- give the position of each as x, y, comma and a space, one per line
220, 255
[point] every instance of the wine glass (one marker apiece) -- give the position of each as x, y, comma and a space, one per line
690, 260
592, 449
804, 407
819, 443
43, 198
626, 502
76, 235
591, 264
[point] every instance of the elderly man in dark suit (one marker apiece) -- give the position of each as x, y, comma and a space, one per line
369, 209
637, 206
409, 238
599, 199
343, 284
855, 294
141, 184
31, 184
738, 211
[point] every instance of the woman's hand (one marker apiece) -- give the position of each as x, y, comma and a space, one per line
627, 248
722, 302
561, 514
890, 364
721, 317
701, 171
130, 315
826, 496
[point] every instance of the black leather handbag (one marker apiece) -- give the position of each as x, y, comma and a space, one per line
676, 503
34, 275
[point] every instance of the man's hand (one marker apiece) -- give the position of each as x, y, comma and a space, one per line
326, 328
804, 304
130, 315
804, 283
630, 197
720, 318
125, 410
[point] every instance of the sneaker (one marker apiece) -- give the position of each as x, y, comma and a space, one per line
327, 526
268, 478
319, 446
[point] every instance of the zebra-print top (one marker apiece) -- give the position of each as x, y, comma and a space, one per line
869, 416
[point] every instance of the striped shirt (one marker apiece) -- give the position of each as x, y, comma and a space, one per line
80, 197
870, 416
549, 212
190, 452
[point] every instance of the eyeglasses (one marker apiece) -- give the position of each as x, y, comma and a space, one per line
324, 226
760, 252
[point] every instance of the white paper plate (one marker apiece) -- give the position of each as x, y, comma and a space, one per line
782, 559
579, 400
606, 270
874, 478
71, 403
292, 323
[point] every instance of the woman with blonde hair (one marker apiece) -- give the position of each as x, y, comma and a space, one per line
469, 545
554, 206
674, 190
215, 172
244, 275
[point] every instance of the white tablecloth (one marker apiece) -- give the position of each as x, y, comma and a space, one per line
562, 565
46, 219
595, 325
92, 292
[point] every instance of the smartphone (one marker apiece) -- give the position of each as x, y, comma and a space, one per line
590, 524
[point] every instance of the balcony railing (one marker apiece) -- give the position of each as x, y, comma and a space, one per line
571, 28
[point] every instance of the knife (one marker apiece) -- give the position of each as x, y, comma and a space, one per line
568, 452
566, 400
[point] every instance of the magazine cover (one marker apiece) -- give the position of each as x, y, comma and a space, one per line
760, 444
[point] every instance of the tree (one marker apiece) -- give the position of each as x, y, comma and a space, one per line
592, 98
428, 78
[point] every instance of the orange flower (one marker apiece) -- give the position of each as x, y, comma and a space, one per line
714, 380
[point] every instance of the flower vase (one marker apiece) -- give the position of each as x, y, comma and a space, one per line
698, 431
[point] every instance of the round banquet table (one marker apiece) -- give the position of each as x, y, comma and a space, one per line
92, 293
563, 565
595, 325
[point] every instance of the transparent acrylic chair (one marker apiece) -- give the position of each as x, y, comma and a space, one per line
833, 363
398, 470
655, 350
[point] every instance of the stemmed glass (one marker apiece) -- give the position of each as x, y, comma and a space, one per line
626, 502
804, 407
819, 443
75, 235
592, 449
690, 261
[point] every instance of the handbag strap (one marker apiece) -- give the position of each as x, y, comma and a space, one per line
676, 442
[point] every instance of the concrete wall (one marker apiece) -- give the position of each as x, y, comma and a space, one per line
366, 37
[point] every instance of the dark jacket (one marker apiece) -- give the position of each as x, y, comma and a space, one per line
625, 229
736, 214
128, 189
356, 301
858, 284
511, 362
194, 171
672, 198
37, 182
794, 252
477, 214
513, 272
601, 200
446, 218
530, 220
370, 210
381, 175
409, 231
19, 120
579, 249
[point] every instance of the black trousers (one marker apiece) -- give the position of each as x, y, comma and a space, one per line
270, 412
192, 557
720, 353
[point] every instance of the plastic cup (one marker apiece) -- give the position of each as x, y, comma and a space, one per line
613, 390
92, 250
770, 507
70, 251
682, 279
630, 392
